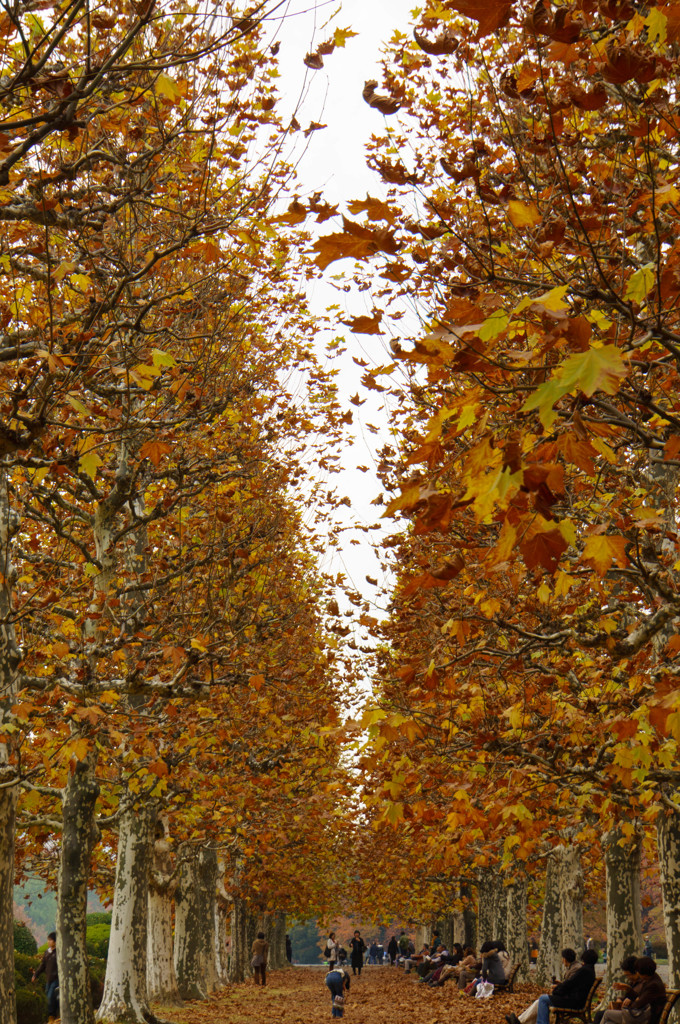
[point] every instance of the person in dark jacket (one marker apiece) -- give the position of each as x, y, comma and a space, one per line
571, 993
392, 949
289, 950
48, 967
644, 1007
358, 947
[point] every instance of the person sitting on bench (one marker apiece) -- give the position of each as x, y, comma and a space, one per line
646, 1006
569, 994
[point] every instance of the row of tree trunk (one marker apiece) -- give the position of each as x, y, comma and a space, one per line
502, 906
172, 921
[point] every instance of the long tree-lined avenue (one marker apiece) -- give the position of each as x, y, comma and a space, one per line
201, 723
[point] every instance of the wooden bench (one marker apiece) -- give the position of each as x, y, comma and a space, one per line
563, 1013
509, 984
672, 996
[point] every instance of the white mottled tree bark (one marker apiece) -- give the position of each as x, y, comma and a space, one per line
486, 888
239, 960
500, 922
516, 926
571, 896
274, 927
549, 962
624, 925
160, 962
78, 838
469, 916
10, 656
125, 999
195, 939
668, 839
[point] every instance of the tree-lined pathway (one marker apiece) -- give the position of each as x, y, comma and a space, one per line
379, 996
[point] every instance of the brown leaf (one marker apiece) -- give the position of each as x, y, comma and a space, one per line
365, 324
356, 242
385, 104
543, 550
313, 127
446, 42
314, 61
295, 214
374, 209
491, 14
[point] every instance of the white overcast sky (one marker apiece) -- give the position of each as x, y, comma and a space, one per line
334, 163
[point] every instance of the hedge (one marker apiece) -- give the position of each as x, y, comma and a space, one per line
30, 998
24, 941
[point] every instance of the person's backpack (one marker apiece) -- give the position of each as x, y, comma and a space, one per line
326, 953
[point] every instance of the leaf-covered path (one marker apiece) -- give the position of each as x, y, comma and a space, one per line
382, 995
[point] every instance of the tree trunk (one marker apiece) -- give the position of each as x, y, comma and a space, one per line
239, 968
221, 932
516, 926
125, 998
195, 926
79, 836
458, 927
10, 656
487, 904
445, 929
275, 934
624, 926
500, 914
549, 963
160, 963
571, 896
8, 799
469, 916
668, 839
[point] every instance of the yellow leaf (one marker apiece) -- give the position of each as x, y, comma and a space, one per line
640, 283
89, 463
523, 215
563, 583
604, 549
168, 88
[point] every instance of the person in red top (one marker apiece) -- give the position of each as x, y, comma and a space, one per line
48, 967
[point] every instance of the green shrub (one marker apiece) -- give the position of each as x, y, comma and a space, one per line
99, 918
97, 975
24, 942
97, 940
24, 966
31, 1005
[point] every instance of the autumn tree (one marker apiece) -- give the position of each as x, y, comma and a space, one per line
532, 217
131, 250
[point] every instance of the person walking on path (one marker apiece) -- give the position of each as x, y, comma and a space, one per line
358, 947
48, 967
392, 949
289, 950
260, 952
337, 981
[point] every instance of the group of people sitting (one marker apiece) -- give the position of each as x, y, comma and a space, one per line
435, 964
642, 992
